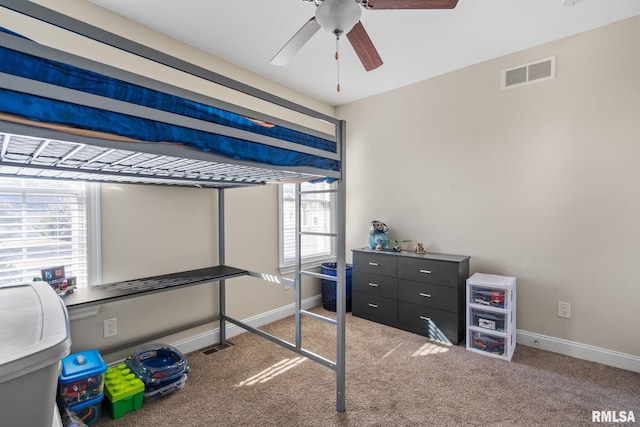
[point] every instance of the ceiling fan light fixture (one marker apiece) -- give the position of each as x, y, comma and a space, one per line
338, 16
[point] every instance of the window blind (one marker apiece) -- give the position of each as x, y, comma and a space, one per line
316, 216
43, 224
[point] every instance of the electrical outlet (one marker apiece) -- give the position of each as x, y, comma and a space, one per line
564, 310
110, 327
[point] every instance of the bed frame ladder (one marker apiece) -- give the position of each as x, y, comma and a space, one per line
340, 278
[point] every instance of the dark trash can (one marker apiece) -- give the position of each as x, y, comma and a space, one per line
329, 293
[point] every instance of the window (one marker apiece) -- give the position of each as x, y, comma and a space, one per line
317, 215
47, 223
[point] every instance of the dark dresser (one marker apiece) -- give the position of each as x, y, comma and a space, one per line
424, 294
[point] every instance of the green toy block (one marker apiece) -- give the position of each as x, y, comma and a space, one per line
123, 389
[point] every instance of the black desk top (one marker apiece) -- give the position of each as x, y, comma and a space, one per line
428, 255
96, 295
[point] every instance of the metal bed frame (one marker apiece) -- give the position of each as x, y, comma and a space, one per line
38, 151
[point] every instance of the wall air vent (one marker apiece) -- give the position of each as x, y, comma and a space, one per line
533, 72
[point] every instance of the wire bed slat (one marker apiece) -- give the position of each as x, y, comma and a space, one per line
49, 158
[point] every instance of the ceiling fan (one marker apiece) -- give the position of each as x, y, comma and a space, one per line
343, 17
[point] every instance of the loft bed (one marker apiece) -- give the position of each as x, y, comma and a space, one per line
66, 117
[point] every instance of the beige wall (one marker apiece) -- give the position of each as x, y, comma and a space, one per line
152, 230
538, 182
147, 231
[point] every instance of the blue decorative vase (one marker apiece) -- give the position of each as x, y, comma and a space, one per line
378, 238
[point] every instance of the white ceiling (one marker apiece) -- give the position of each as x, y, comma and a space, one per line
414, 44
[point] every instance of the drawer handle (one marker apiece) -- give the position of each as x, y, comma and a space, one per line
373, 305
425, 271
428, 319
422, 294
375, 264
375, 285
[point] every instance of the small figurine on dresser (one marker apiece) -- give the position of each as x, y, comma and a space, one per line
378, 235
420, 249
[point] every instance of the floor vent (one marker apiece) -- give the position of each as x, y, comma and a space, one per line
217, 347
533, 72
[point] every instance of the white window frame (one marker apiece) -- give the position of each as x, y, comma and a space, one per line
92, 226
308, 262
94, 236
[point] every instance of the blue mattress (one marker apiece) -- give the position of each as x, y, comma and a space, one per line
47, 110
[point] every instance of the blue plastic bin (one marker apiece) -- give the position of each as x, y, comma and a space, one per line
89, 410
82, 377
329, 293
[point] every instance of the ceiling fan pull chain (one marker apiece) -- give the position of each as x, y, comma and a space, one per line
338, 60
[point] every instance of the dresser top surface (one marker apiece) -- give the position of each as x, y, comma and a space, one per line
428, 255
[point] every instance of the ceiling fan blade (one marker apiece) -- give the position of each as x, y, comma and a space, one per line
411, 4
297, 41
364, 47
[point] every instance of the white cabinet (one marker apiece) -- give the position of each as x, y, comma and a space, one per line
491, 315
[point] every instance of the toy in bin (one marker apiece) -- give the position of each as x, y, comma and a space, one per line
82, 377
488, 344
158, 364
57, 279
491, 297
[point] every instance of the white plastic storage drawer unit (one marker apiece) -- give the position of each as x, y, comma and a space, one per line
491, 315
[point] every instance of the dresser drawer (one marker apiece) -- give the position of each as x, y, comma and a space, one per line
375, 284
424, 294
427, 270
432, 322
428, 295
375, 263
374, 305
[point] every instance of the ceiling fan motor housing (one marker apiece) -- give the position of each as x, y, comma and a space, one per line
338, 16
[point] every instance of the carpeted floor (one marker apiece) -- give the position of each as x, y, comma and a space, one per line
394, 378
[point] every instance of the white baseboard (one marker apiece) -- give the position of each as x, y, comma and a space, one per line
212, 337
579, 351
